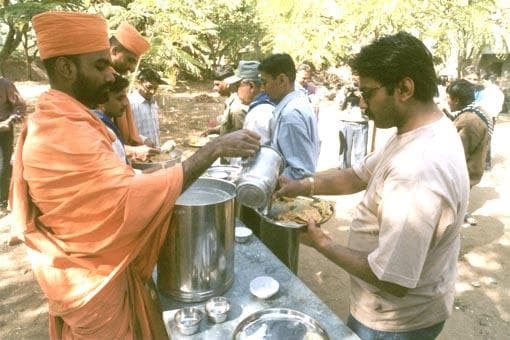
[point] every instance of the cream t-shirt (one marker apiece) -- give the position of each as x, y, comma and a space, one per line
409, 220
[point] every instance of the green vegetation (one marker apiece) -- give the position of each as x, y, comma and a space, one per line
192, 37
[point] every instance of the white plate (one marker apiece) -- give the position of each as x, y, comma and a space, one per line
264, 287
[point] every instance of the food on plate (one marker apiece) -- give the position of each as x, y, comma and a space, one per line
301, 209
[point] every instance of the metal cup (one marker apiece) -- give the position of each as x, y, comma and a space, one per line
258, 178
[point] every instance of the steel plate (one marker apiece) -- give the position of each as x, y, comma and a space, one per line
279, 323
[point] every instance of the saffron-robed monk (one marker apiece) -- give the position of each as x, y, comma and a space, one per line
93, 228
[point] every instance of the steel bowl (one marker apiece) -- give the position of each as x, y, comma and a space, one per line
188, 320
217, 309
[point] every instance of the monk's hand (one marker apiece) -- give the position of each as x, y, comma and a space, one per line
144, 152
148, 142
289, 187
314, 236
240, 143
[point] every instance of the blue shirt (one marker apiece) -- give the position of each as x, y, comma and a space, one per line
295, 135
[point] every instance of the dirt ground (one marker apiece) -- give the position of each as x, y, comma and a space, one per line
482, 304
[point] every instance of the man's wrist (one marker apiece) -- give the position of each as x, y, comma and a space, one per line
311, 185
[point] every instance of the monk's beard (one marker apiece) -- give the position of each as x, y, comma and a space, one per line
89, 95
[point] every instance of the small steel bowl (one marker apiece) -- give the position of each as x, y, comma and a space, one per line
217, 309
188, 320
242, 234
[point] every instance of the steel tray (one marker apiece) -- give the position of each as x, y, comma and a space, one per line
279, 323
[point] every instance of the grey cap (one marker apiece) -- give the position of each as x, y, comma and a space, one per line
246, 70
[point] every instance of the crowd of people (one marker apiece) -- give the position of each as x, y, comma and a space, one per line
77, 204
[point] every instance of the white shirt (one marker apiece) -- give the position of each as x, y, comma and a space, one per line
258, 120
145, 114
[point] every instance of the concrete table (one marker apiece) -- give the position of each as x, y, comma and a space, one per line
254, 259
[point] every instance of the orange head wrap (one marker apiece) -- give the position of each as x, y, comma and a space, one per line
133, 41
69, 33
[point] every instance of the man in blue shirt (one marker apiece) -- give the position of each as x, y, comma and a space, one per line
294, 130
294, 134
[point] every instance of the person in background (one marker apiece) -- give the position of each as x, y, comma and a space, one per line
304, 84
294, 134
127, 46
404, 239
474, 128
304, 80
93, 227
294, 130
234, 113
144, 106
491, 100
115, 107
12, 109
260, 108
353, 131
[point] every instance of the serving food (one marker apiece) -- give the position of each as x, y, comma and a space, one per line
298, 210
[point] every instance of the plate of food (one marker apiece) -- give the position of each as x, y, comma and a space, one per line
198, 141
159, 161
294, 212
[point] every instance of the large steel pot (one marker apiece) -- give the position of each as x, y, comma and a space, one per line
197, 258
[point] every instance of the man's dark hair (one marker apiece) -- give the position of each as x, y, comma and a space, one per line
391, 58
461, 90
277, 64
119, 84
49, 64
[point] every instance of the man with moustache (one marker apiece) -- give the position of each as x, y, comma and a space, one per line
92, 227
404, 239
144, 107
127, 46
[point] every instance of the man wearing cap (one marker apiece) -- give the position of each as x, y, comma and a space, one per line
260, 107
93, 228
144, 106
235, 110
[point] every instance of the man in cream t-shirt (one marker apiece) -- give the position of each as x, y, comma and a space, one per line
405, 235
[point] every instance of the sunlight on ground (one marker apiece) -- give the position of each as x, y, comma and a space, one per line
483, 261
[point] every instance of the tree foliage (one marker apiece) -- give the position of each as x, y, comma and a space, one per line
192, 37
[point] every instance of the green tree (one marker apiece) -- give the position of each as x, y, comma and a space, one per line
16, 17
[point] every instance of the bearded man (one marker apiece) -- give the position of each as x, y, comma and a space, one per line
93, 228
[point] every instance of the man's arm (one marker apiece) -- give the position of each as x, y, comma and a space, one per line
328, 182
241, 143
352, 261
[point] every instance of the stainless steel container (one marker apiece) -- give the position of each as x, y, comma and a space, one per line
258, 178
197, 258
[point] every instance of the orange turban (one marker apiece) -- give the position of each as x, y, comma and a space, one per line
70, 33
131, 39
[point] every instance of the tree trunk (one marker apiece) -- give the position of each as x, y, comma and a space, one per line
11, 41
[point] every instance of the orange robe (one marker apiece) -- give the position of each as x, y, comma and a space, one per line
93, 228
127, 127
